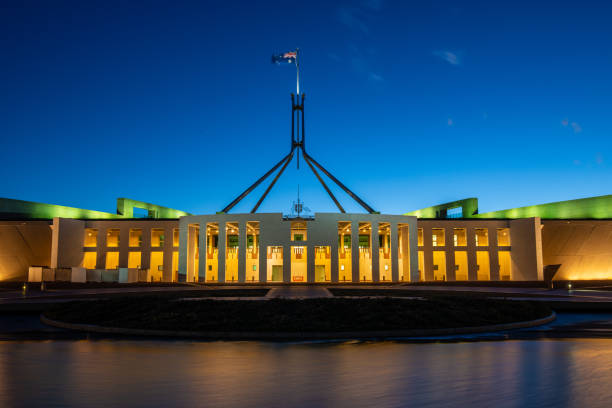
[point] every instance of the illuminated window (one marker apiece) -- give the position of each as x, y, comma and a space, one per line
365, 252
89, 260
482, 265
112, 238
157, 237
503, 237
252, 261
175, 259
420, 236
156, 270
112, 260
275, 263
232, 248
91, 237
298, 231
439, 265
135, 237
134, 260
437, 236
461, 265
421, 255
459, 237
482, 237
505, 265
344, 252
175, 237
298, 263
322, 264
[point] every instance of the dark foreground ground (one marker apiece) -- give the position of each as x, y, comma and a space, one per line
297, 315
422, 304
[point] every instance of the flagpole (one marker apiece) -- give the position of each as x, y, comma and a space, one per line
297, 66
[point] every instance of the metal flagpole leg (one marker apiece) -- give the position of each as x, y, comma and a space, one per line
323, 184
342, 186
272, 183
258, 182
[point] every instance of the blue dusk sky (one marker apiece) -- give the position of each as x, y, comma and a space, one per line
409, 103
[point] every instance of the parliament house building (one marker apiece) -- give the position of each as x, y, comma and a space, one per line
142, 242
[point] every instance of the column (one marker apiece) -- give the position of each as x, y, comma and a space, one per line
355, 251
428, 254
203, 248
493, 255
451, 274
471, 248
405, 238
182, 267
287, 263
263, 257
221, 252
191, 247
414, 251
242, 251
124, 246
310, 263
167, 273
394, 252
374, 247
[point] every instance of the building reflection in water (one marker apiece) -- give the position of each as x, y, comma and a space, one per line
360, 374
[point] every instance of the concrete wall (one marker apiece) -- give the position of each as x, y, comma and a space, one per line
23, 244
67, 243
526, 251
583, 248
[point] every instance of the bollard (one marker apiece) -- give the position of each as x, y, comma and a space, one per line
24, 289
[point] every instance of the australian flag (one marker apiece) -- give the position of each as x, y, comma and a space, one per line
287, 57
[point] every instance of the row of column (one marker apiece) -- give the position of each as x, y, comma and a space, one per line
188, 235
470, 248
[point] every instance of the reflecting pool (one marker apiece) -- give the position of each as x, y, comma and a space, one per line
108, 373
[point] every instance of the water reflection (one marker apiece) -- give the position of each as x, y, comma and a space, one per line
386, 374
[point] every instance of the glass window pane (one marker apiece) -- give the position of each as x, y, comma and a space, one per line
135, 237
91, 237
175, 237
157, 237
112, 238
503, 237
459, 237
437, 236
482, 237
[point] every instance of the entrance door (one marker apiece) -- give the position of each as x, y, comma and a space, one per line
277, 273
319, 273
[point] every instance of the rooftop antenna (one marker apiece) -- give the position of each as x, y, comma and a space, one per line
298, 206
298, 141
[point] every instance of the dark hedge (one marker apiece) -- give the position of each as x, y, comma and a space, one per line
288, 315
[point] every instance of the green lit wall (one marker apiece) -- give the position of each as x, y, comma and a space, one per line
469, 207
125, 207
592, 207
18, 209
583, 208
